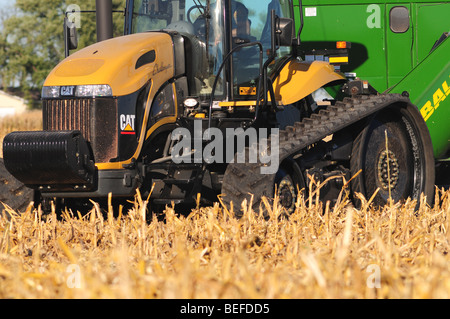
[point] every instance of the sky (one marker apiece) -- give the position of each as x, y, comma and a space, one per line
4, 3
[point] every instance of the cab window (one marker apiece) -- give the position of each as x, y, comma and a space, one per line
251, 22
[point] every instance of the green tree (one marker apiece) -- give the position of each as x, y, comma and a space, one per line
32, 41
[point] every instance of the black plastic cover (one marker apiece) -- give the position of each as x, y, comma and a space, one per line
49, 160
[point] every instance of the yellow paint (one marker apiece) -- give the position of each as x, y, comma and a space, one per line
299, 79
339, 59
438, 96
128, 128
247, 91
296, 81
237, 103
113, 62
145, 134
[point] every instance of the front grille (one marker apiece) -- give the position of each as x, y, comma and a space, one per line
96, 119
67, 115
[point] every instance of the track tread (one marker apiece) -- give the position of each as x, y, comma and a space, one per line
243, 179
12, 192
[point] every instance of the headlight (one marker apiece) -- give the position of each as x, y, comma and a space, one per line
52, 92
93, 90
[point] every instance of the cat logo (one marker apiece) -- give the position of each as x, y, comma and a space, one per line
127, 124
67, 90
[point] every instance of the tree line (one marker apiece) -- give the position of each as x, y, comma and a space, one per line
32, 41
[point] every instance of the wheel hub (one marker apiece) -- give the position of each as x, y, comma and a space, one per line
388, 170
286, 194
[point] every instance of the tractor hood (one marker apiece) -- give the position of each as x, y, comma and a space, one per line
124, 63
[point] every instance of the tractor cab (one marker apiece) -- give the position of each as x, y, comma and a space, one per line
211, 30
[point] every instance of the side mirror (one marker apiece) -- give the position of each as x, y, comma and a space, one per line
70, 36
284, 31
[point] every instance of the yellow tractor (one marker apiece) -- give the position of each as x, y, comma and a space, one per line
215, 98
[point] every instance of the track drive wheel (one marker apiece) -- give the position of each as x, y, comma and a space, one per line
285, 185
395, 155
288, 182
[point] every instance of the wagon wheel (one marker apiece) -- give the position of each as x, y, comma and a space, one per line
400, 167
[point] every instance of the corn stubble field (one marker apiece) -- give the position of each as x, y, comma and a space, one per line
317, 252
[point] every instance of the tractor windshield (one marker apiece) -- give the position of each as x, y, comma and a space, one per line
203, 22
189, 17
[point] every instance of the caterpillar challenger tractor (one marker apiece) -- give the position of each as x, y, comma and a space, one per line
216, 98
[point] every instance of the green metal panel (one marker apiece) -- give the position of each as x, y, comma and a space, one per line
398, 46
431, 20
428, 86
324, 25
378, 55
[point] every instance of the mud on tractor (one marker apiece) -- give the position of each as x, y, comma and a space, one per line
216, 98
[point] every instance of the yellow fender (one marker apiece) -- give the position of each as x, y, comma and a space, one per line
299, 79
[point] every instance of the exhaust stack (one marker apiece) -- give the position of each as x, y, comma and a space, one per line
104, 19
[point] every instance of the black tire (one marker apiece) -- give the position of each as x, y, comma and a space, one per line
405, 168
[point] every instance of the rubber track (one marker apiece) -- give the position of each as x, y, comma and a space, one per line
12, 192
242, 180
357, 184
